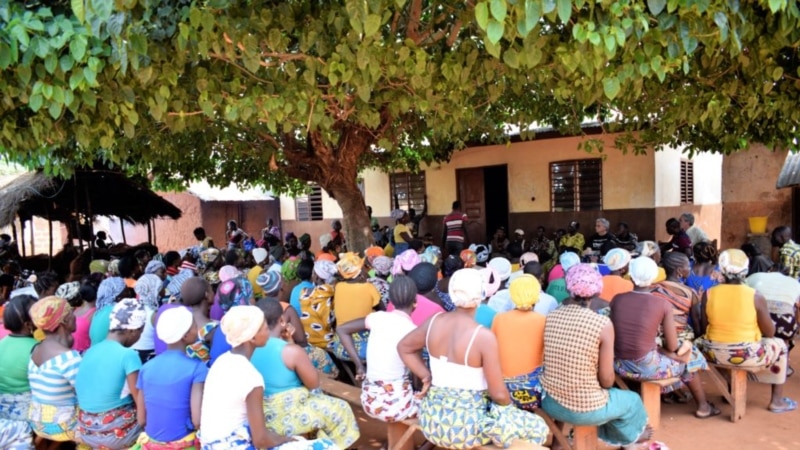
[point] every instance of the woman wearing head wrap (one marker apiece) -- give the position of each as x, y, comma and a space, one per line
148, 289
52, 368
15, 391
157, 268
482, 253
616, 260
578, 367
236, 291
106, 382
405, 261
450, 265
424, 276
704, 274
402, 234
651, 250
462, 395
316, 305
291, 405
469, 258
584, 284
289, 278
557, 284
108, 293
224, 418
520, 343
354, 299
382, 267
739, 332
99, 266
171, 386
637, 316
683, 299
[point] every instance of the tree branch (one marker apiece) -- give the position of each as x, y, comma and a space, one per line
414, 15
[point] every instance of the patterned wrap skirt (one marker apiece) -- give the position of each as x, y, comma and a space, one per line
619, 423
322, 361
189, 442
389, 401
462, 419
299, 411
56, 423
240, 440
15, 431
655, 366
359, 340
112, 430
766, 360
526, 390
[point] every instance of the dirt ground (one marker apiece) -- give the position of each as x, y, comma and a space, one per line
680, 430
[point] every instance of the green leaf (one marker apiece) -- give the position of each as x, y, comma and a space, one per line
722, 22
35, 102
75, 79
90, 76
50, 63
498, 8
55, 110
777, 73
77, 48
656, 6
66, 62
24, 74
494, 31
533, 13
611, 87
548, 6
482, 15
776, 5
79, 10
5, 55
372, 24
564, 10
511, 58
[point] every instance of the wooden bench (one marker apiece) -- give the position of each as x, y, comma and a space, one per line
584, 437
651, 396
737, 395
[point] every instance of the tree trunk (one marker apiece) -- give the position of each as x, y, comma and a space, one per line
357, 231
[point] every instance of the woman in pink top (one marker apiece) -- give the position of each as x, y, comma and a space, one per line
84, 306
425, 277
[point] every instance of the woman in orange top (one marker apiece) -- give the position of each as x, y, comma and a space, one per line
617, 260
520, 343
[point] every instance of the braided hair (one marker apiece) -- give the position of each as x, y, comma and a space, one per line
672, 261
705, 252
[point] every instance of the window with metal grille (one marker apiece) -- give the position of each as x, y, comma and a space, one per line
576, 185
309, 207
687, 181
407, 190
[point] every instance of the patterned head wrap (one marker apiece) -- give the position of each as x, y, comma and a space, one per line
326, 270
372, 252
397, 214
466, 288
212, 278
568, 259
643, 271
237, 291
98, 266
382, 265
324, 240
228, 273
241, 324
270, 282
405, 261
48, 313
207, 257
174, 286
113, 268
148, 287
432, 254
173, 324
128, 314
528, 257
733, 263
525, 291
289, 269
502, 266
584, 281
482, 252
154, 266
490, 279
648, 248
349, 265
469, 258
617, 258
68, 291
108, 291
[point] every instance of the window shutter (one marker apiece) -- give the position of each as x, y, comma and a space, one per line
576, 185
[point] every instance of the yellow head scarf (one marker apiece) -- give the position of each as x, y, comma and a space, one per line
525, 290
349, 265
48, 313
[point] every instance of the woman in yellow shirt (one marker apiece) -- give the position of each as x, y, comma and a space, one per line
402, 234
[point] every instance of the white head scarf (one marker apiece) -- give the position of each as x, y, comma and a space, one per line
173, 324
643, 271
466, 288
241, 323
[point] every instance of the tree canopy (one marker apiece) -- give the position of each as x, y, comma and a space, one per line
271, 92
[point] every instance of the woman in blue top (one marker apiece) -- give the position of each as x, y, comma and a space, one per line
106, 382
108, 293
171, 387
292, 402
705, 273
15, 391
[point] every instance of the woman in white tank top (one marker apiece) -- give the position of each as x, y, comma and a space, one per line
466, 402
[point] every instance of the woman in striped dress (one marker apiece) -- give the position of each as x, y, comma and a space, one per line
52, 368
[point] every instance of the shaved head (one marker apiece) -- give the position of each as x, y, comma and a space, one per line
193, 291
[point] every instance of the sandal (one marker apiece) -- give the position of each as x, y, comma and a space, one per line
713, 412
791, 405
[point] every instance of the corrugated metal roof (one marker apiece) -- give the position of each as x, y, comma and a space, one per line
790, 173
232, 193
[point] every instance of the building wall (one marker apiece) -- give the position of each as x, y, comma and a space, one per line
748, 189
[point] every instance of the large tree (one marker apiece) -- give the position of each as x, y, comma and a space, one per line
284, 92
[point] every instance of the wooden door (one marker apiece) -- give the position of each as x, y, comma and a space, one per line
473, 202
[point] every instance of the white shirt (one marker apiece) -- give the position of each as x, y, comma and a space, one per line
696, 234
546, 304
780, 291
27, 290
229, 381
386, 331
147, 339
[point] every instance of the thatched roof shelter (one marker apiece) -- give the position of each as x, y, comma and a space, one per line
90, 192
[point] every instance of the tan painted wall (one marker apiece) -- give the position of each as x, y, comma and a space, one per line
748, 189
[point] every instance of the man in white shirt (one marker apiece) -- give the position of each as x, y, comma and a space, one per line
696, 234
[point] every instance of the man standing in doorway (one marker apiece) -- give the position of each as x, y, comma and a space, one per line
454, 230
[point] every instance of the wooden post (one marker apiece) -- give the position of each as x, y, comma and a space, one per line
155, 234
651, 397
585, 437
149, 232
90, 215
739, 394
50, 245
122, 228
22, 236
33, 242
14, 231
77, 210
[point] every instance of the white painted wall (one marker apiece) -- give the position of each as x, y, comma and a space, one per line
376, 192
707, 177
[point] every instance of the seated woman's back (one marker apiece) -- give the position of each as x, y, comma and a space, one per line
520, 341
731, 313
455, 344
268, 360
636, 317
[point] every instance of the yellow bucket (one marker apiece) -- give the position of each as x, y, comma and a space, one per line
758, 225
